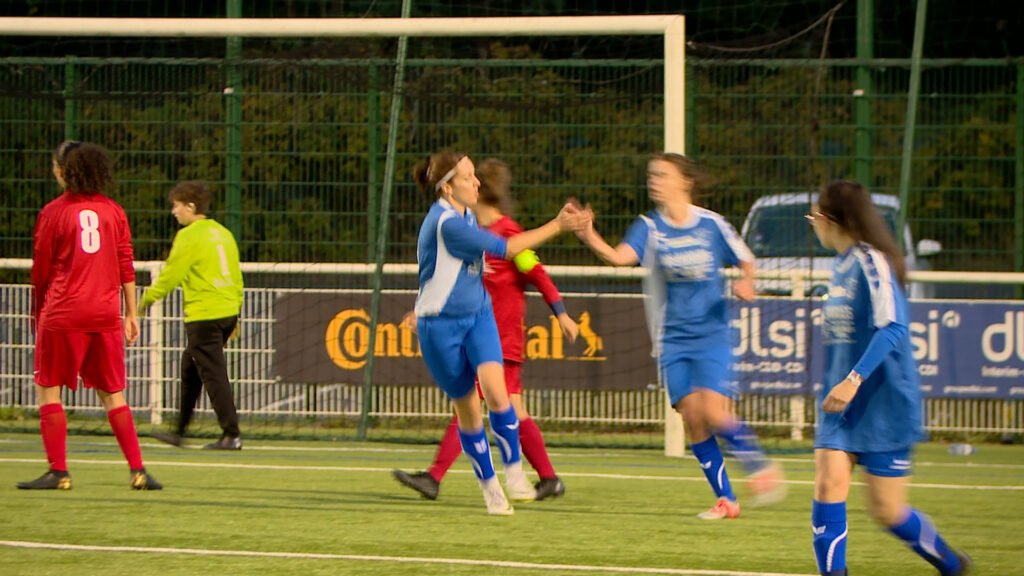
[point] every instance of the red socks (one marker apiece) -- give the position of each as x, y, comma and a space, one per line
53, 427
530, 438
447, 451
532, 442
123, 425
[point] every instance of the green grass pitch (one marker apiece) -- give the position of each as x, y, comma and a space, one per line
318, 508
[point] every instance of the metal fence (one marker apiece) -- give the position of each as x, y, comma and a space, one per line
153, 383
310, 148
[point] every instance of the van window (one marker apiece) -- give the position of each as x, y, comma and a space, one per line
780, 231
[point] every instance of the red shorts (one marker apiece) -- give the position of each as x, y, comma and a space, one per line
513, 379
98, 356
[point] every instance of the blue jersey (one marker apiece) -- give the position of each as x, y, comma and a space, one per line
686, 304
450, 252
885, 414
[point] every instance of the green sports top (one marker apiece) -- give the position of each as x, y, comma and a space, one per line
204, 262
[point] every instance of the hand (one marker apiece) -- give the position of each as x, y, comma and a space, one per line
571, 218
236, 331
569, 327
743, 288
409, 321
131, 328
840, 397
588, 230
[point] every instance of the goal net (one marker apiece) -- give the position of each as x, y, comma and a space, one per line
289, 121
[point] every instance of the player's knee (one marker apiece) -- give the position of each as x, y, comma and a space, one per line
885, 513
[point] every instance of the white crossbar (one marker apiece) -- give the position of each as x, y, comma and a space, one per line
328, 27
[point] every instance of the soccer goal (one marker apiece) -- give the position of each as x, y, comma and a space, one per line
213, 87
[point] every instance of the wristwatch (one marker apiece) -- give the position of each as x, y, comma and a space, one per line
857, 379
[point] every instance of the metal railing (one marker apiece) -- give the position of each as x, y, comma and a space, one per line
153, 368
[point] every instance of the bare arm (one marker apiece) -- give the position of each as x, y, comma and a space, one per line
743, 287
570, 218
621, 255
532, 238
131, 312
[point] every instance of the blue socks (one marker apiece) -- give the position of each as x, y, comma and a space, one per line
919, 533
713, 465
828, 524
742, 443
475, 445
505, 426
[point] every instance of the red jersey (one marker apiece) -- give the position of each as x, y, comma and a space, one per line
507, 287
81, 255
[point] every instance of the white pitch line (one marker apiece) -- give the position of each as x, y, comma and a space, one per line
393, 559
979, 488
429, 449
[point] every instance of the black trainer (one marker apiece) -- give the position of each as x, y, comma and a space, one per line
142, 480
171, 438
549, 488
52, 480
421, 482
225, 443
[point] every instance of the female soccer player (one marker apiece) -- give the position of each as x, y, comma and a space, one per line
455, 323
81, 266
871, 403
204, 261
506, 283
684, 247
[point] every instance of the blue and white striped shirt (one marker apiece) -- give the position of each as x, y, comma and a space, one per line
865, 300
686, 304
450, 254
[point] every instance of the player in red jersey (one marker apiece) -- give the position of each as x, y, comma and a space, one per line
506, 281
81, 265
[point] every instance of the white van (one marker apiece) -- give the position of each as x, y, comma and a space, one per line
782, 240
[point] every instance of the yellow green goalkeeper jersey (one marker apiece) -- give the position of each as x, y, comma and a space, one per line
204, 262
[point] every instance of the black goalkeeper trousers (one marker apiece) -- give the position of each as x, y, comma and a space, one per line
203, 365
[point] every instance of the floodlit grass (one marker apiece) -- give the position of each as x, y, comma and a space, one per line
632, 509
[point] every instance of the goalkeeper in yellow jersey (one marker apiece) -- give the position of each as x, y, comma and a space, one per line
204, 262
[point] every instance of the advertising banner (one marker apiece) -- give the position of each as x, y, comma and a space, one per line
963, 349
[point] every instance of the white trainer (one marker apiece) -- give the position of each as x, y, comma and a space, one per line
518, 485
767, 486
494, 497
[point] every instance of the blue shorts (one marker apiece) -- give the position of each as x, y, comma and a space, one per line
894, 464
713, 372
454, 347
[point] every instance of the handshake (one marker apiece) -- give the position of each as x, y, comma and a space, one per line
576, 218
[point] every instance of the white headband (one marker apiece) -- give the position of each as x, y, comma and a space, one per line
447, 176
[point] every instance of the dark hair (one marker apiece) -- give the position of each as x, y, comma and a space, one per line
849, 205
192, 192
689, 168
86, 167
428, 172
495, 178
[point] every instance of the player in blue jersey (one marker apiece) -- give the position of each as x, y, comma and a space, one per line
455, 322
684, 247
870, 406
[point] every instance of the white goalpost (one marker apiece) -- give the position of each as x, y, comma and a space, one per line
670, 27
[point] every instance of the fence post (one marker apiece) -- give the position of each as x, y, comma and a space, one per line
233, 129
864, 91
156, 353
691, 112
373, 158
70, 99
1018, 187
910, 122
